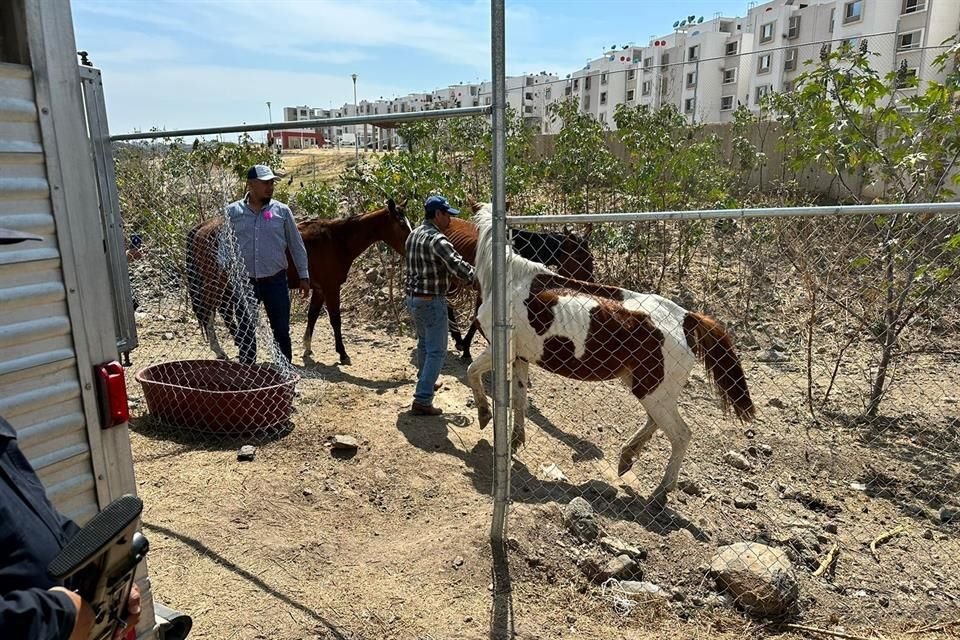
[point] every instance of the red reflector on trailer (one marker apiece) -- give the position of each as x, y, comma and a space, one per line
113, 394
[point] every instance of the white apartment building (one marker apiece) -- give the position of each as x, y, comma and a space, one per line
706, 69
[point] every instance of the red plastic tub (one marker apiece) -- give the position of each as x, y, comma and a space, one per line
218, 396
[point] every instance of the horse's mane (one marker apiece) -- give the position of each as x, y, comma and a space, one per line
518, 267
316, 228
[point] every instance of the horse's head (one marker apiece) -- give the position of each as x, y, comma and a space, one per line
398, 227
576, 261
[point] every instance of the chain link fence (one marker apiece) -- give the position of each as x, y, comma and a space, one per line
837, 505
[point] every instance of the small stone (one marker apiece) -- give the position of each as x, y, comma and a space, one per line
949, 514
749, 434
772, 355
167, 335
858, 486
580, 519
831, 527
643, 588
736, 460
468, 619
308, 492
344, 442
603, 489
457, 562
927, 534
765, 450
745, 503
552, 472
777, 403
618, 547
247, 452
690, 487
750, 484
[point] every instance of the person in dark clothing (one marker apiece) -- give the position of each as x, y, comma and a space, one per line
32, 604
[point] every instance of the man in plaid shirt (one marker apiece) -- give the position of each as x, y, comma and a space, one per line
430, 262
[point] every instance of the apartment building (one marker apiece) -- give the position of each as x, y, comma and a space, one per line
706, 69
709, 68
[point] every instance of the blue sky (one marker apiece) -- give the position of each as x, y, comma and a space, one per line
178, 64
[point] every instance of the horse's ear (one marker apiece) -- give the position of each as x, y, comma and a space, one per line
392, 206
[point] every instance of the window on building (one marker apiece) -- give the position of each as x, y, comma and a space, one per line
528, 109
603, 78
907, 79
692, 79
630, 95
602, 117
910, 40
766, 32
853, 11
760, 92
763, 63
586, 83
732, 48
603, 97
913, 6
664, 85
729, 75
647, 63
529, 81
547, 94
665, 59
726, 103
586, 102
793, 28
567, 90
790, 57
689, 105
576, 84
631, 74
646, 87
693, 53
528, 95
487, 101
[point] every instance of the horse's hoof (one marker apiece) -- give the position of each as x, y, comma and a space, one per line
345, 360
484, 416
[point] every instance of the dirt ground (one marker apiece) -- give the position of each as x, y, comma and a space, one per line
393, 541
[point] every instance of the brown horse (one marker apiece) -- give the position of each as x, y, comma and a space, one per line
332, 246
594, 332
568, 252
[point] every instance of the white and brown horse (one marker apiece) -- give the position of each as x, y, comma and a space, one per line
594, 332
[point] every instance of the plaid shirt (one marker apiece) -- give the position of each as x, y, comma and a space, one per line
431, 260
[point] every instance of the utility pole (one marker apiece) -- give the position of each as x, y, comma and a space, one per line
356, 142
269, 119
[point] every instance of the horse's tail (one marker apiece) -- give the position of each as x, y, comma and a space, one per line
201, 310
714, 347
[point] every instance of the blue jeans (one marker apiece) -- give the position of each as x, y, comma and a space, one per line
430, 319
274, 293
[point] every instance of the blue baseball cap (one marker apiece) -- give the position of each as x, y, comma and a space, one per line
439, 203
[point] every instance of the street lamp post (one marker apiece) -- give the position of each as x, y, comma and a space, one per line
356, 143
269, 119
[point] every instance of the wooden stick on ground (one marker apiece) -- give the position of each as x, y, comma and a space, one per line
828, 561
940, 626
883, 537
826, 632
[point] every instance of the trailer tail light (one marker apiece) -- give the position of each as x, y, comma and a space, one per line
112, 391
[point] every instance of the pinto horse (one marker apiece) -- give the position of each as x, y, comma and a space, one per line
332, 246
595, 332
567, 251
